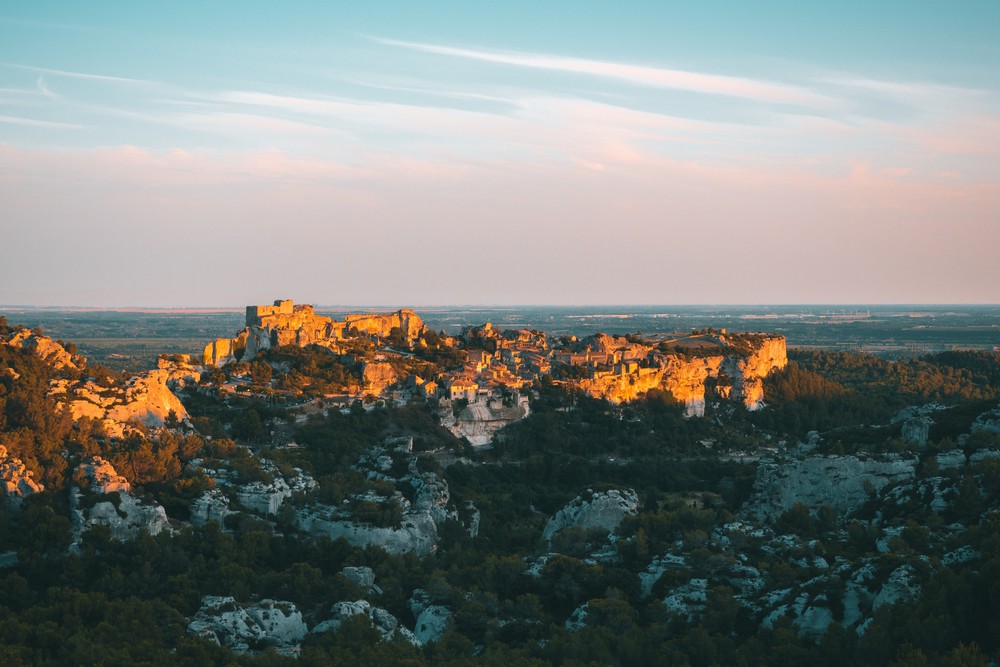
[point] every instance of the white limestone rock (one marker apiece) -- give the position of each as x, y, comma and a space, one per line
264, 497
213, 505
689, 599
657, 568
841, 482
363, 577
604, 510
432, 623
417, 533
901, 586
387, 625
954, 458
123, 513
578, 619
989, 421
250, 628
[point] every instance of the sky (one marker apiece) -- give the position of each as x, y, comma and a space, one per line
401, 153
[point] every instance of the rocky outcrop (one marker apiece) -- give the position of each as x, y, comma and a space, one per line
377, 376
416, 534
266, 497
603, 510
901, 586
285, 323
989, 421
144, 398
916, 422
15, 478
102, 497
363, 577
179, 370
479, 421
747, 372
251, 628
50, 351
388, 626
739, 369
213, 505
432, 623
841, 482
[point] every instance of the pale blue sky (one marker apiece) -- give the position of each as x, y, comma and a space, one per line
520, 152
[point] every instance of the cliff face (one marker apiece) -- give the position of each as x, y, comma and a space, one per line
285, 323
686, 378
749, 372
377, 376
144, 398
381, 325
841, 482
49, 350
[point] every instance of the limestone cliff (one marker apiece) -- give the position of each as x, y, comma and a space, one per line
843, 483
144, 398
739, 370
285, 323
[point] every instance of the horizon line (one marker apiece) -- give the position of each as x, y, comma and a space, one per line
318, 306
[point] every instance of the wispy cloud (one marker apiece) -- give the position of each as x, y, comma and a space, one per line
656, 77
33, 122
75, 75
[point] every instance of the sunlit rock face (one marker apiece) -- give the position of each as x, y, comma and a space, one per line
686, 378
843, 483
145, 398
47, 349
377, 377
102, 497
748, 372
250, 628
285, 323
15, 478
179, 370
604, 510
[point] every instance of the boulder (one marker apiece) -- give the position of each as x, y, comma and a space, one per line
249, 628
15, 478
388, 626
102, 497
363, 577
432, 623
417, 533
213, 505
604, 510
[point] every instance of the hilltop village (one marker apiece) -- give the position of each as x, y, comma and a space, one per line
367, 490
489, 370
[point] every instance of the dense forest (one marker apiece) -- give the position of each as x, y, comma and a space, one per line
106, 602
